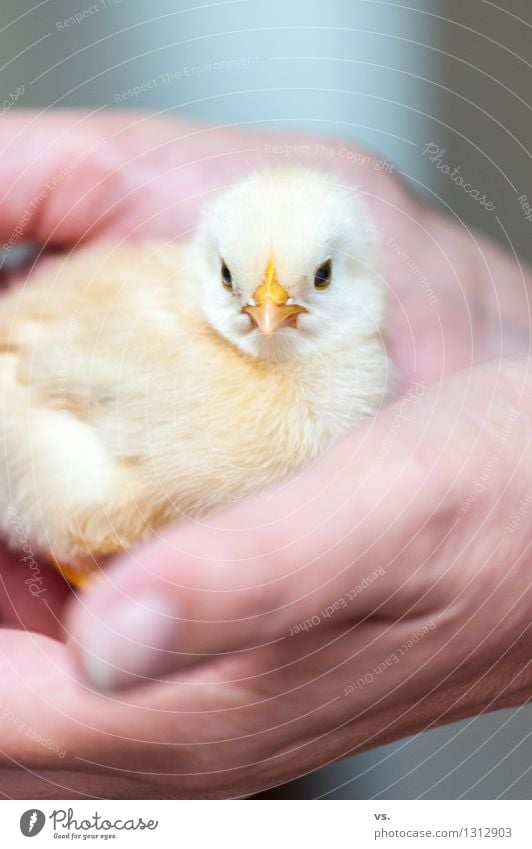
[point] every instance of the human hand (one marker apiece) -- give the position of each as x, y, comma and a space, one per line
107, 197
384, 591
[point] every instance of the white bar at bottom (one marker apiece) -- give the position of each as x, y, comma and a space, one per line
267, 824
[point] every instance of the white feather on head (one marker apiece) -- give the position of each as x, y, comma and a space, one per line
300, 217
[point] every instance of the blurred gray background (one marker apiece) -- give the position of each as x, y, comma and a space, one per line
396, 76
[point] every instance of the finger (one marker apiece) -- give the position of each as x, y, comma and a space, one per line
49, 168
73, 175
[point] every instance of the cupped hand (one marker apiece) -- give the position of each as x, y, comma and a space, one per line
382, 592
377, 593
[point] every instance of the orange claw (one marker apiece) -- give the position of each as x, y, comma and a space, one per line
78, 578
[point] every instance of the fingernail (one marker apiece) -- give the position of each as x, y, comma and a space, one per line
137, 643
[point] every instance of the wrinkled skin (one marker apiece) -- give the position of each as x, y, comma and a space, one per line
424, 494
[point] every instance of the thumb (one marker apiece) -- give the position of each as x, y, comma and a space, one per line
319, 547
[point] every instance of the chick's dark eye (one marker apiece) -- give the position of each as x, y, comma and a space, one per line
323, 276
227, 278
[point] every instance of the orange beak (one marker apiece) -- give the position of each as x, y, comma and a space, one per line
271, 310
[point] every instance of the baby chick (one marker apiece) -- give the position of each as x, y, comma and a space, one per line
139, 385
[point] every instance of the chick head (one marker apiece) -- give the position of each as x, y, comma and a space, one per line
285, 261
